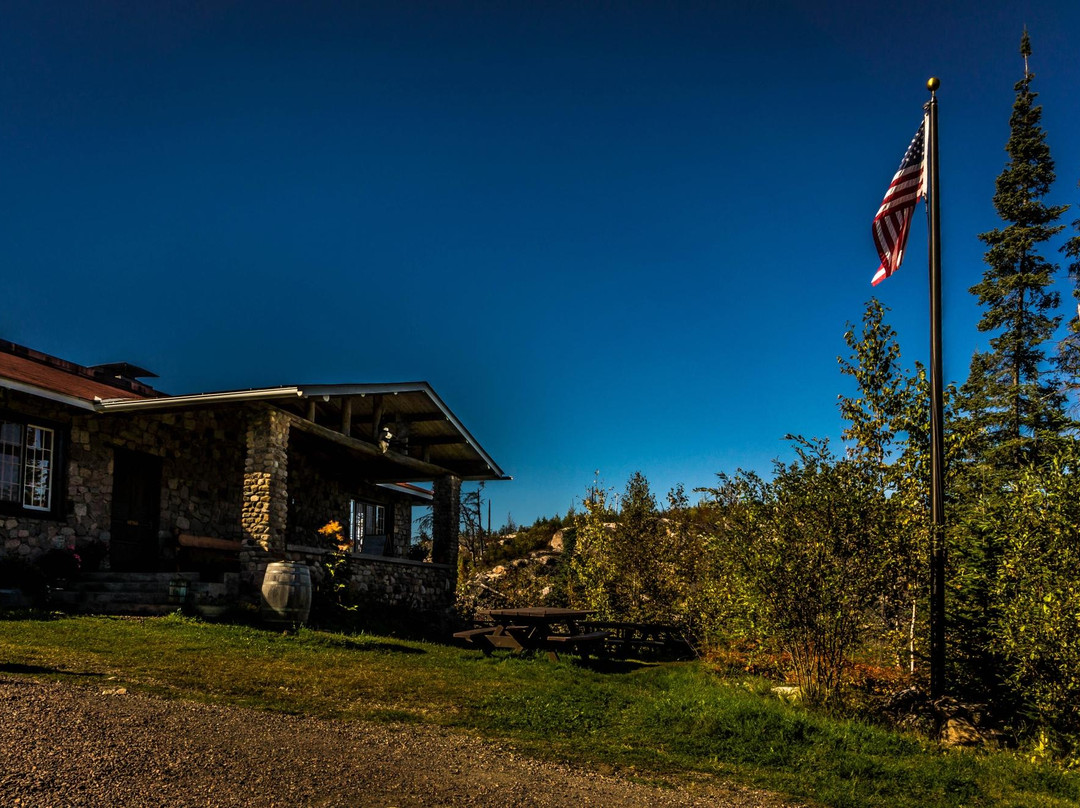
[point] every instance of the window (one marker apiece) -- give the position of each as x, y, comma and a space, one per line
29, 459
367, 527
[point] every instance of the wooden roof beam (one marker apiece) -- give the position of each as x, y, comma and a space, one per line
420, 469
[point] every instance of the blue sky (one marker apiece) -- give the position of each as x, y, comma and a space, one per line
613, 236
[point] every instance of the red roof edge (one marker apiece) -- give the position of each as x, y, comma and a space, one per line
127, 385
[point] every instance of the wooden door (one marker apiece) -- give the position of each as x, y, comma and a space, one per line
136, 511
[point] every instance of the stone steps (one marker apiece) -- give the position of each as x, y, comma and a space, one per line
142, 593
93, 578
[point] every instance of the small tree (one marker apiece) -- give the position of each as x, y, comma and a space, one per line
888, 426
639, 563
873, 414
473, 538
591, 575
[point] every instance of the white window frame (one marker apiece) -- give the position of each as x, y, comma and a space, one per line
29, 467
366, 520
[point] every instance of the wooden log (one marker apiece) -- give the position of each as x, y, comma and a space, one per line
346, 416
376, 418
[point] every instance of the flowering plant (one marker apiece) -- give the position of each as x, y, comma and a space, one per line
333, 531
336, 565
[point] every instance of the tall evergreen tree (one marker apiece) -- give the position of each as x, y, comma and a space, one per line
1016, 406
1068, 359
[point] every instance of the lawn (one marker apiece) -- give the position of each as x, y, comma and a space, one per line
655, 721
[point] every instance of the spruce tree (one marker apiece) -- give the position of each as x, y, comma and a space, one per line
1016, 406
1068, 359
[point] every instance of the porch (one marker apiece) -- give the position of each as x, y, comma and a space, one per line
227, 483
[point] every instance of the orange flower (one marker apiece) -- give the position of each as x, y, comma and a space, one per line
331, 528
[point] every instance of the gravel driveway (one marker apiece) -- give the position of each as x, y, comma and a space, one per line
69, 745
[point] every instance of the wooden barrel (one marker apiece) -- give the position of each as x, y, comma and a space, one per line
286, 593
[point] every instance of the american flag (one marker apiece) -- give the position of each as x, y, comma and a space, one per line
893, 218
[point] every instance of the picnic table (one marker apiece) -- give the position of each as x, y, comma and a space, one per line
535, 628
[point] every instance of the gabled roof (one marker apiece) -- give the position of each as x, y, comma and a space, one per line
425, 436
404, 430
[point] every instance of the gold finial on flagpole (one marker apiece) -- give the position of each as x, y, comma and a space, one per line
933, 83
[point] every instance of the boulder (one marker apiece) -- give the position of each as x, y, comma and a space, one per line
557, 543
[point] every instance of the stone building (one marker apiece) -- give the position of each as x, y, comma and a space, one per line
213, 486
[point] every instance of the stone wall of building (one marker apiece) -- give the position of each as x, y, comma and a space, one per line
202, 455
29, 536
395, 583
320, 492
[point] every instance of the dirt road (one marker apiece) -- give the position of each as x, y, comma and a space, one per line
63, 745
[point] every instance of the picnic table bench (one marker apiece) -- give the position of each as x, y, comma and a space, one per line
535, 628
642, 640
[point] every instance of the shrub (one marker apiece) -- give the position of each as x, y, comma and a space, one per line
1037, 595
808, 548
60, 564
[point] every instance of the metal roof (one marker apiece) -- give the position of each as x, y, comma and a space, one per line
74, 385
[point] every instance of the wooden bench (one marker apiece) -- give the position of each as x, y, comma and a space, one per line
579, 639
580, 642
482, 636
209, 543
208, 555
471, 633
643, 640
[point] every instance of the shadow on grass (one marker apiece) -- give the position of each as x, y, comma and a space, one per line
351, 644
613, 665
596, 664
28, 670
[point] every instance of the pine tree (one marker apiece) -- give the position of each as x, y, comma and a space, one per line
1017, 408
1068, 359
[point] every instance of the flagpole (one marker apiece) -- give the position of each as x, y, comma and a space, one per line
937, 420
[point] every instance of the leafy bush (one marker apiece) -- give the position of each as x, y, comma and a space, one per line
1037, 592
808, 548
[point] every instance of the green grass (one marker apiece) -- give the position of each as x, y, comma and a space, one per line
656, 720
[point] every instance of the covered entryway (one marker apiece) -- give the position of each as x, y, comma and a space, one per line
136, 511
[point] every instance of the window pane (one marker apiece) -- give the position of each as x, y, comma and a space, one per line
10, 460
356, 523
37, 467
374, 520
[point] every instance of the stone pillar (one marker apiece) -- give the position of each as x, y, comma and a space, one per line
266, 479
445, 518
402, 528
